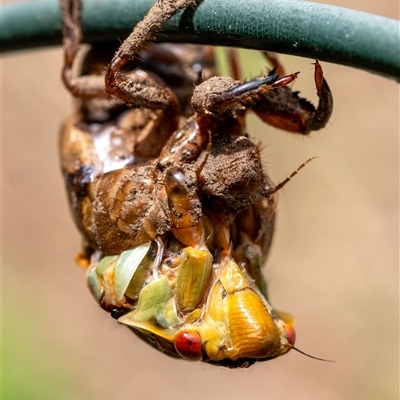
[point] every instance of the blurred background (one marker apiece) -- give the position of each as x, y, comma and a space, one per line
334, 262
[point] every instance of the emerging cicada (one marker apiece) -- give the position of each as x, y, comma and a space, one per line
169, 193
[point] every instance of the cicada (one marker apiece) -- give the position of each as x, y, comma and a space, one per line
169, 193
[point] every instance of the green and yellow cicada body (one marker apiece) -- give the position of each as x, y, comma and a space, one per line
189, 306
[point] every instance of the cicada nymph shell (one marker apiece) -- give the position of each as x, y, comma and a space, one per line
170, 195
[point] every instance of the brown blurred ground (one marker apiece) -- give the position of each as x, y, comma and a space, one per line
334, 262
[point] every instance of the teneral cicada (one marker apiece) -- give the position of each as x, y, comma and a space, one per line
169, 193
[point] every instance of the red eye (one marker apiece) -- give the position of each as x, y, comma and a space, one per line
188, 345
290, 334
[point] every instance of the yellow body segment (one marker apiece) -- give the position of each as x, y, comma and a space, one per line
237, 322
193, 278
253, 331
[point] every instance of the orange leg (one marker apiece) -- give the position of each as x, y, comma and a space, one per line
286, 110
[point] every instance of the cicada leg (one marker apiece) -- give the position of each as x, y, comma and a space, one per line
90, 86
221, 97
268, 96
233, 62
118, 84
286, 110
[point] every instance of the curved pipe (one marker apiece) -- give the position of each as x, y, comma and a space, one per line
306, 29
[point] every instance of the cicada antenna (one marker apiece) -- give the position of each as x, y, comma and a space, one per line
309, 355
293, 174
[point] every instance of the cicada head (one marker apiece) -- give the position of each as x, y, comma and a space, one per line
238, 326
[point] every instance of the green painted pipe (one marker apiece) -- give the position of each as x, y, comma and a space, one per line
294, 27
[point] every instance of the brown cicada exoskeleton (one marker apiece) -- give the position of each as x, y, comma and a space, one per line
169, 193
